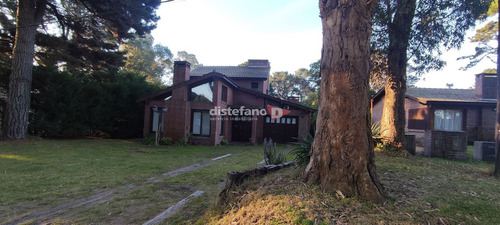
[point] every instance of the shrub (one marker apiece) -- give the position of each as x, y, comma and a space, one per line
181, 143
390, 150
148, 140
302, 152
224, 142
271, 157
376, 132
166, 141
99, 104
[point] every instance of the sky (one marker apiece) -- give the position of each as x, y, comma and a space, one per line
286, 32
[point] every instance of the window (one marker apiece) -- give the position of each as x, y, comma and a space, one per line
418, 118
255, 85
155, 119
282, 120
202, 92
201, 123
224, 94
448, 120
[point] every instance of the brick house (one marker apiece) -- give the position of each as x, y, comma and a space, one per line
196, 95
470, 110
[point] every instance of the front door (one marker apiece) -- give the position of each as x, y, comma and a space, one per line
241, 129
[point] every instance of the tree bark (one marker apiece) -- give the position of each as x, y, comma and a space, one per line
29, 17
392, 127
496, 172
342, 157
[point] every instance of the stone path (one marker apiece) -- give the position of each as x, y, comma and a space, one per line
74, 207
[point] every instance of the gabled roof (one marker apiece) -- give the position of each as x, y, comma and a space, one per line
230, 82
234, 71
188, 82
441, 95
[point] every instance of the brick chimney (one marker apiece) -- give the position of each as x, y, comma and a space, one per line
182, 70
258, 63
486, 86
295, 99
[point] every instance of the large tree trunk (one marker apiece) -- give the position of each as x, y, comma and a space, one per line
392, 128
29, 17
496, 172
342, 155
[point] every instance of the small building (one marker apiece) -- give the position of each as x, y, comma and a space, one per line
212, 103
454, 110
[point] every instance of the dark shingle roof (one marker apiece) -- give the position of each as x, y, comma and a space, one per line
233, 71
444, 95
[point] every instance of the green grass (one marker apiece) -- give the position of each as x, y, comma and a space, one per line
41, 174
36, 175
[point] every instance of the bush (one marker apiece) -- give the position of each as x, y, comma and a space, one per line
181, 143
390, 150
375, 128
148, 140
166, 141
224, 142
103, 103
271, 157
302, 152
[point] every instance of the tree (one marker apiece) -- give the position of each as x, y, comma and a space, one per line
415, 30
191, 58
314, 80
342, 157
485, 38
101, 103
393, 117
121, 19
148, 60
286, 85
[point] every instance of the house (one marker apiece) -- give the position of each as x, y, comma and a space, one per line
470, 110
214, 103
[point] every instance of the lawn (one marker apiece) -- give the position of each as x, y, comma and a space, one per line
38, 175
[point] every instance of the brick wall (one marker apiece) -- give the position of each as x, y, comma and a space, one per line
247, 83
444, 144
182, 71
486, 86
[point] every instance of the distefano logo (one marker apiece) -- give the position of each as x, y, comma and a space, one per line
273, 111
276, 112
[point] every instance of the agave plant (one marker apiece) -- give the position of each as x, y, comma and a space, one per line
302, 152
271, 156
376, 129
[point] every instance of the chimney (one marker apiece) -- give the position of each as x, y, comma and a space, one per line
182, 70
294, 99
486, 86
258, 63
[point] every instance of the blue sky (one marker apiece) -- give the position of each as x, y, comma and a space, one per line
287, 32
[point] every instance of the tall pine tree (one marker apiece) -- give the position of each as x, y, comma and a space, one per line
93, 24
342, 157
